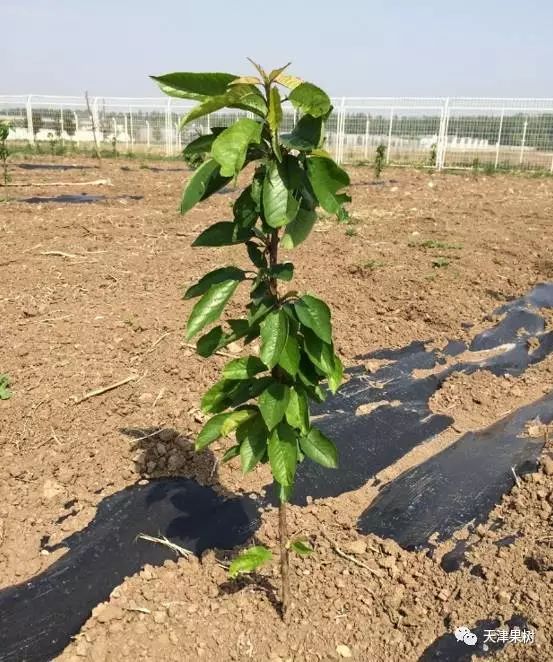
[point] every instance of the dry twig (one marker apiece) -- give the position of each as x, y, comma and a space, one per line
167, 543
104, 389
342, 554
94, 182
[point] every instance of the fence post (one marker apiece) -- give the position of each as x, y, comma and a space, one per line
76, 127
30, 128
498, 144
126, 125
442, 136
147, 134
446, 131
366, 149
523, 141
389, 136
96, 116
342, 128
131, 129
168, 129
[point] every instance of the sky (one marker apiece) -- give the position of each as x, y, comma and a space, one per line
493, 48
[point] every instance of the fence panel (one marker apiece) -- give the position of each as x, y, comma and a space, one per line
435, 132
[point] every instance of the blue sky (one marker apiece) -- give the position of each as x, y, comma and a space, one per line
356, 48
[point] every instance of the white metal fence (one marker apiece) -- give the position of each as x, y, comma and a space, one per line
440, 132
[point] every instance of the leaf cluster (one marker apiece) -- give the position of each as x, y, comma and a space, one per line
263, 398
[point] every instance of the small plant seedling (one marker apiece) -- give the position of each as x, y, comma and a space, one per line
433, 154
5, 392
263, 398
4, 154
53, 142
371, 264
351, 232
379, 160
440, 262
249, 560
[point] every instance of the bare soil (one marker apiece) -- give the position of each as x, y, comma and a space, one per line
90, 296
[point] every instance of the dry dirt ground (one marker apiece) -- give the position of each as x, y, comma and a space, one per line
90, 296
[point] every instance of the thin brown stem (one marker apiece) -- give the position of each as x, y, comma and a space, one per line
273, 259
284, 560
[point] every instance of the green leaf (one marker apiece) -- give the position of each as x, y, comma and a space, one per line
216, 339
205, 181
314, 314
5, 393
301, 548
306, 135
274, 118
212, 430
245, 97
310, 99
216, 399
252, 437
194, 85
256, 256
246, 208
274, 333
202, 144
319, 352
274, 115
284, 271
209, 105
288, 81
310, 378
327, 178
298, 230
289, 358
320, 449
243, 368
223, 233
275, 73
279, 206
235, 419
231, 453
273, 403
230, 146
284, 493
247, 389
210, 306
297, 412
336, 375
215, 276
249, 560
258, 310
248, 97
283, 454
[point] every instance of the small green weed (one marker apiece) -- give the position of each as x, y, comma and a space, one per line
433, 244
5, 392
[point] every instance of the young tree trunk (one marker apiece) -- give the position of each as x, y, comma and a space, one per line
282, 523
284, 561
